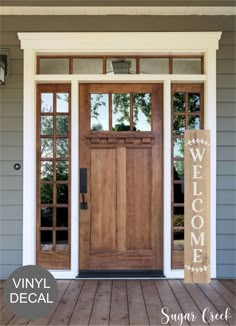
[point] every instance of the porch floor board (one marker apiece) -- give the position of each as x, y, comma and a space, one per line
132, 302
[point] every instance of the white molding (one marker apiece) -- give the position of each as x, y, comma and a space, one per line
121, 42
108, 10
29, 159
205, 43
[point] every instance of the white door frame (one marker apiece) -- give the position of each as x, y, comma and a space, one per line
204, 43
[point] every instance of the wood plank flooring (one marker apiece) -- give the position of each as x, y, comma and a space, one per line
134, 302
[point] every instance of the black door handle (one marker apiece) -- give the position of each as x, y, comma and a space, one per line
83, 187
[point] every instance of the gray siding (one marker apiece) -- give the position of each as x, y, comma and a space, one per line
11, 126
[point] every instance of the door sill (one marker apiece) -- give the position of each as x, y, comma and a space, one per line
120, 274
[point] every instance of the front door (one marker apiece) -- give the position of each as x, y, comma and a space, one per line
121, 200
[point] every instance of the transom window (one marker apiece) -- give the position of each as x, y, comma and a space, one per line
120, 65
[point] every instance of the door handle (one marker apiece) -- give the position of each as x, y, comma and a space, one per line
83, 187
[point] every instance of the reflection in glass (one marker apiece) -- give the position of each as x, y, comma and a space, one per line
46, 102
54, 66
142, 112
178, 236
62, 194
46, 147
46, 194
46, 216
154, 65
109, 66
120, 112
61, 240
178, 167
62, 102
62, 125
179, 102
46, 171
193, 122
87, 66
62, 170
178, 193
179, 147
194, 102
62, 147
99, 112
46, 240
47, 125
178, 124
62, 217
186, 65
178, 210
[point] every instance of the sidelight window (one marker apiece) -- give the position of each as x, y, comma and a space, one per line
53, 160
187, 113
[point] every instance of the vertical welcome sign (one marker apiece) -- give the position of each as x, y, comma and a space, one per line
197, 206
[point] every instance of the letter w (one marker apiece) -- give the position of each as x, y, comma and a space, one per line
197, 155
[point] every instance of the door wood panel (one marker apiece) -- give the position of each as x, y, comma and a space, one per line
122, 227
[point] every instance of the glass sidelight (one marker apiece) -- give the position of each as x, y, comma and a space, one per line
187, 113
53, 159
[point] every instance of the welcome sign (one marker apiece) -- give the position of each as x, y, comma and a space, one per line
197, 206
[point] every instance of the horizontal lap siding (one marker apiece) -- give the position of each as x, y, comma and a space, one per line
11, 125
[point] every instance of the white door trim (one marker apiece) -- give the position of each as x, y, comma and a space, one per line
205, 43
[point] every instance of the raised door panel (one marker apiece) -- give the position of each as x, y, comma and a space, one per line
139, 190
103, 199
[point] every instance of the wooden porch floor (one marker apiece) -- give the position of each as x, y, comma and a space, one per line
132, 302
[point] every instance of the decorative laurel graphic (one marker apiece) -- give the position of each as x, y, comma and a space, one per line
200, 269
197, 141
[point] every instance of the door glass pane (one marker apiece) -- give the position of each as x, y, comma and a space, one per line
61, 240
62, 194
46, 217
87, 66
178, 193
62, 125
154, 66
194, 102
47, 125
62, 102
62, 170
46, 147
120, 112
46, 194
178, 170
178, 221
62, 217
99, 112
186, 66
46, 240
121, 65
46, 171
62, 147
193, 122
46, 102
179, 147
142, 112
178, 124
54, 66
179, 102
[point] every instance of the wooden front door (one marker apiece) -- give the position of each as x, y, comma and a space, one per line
121, 151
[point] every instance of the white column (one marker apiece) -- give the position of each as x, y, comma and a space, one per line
29, 161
